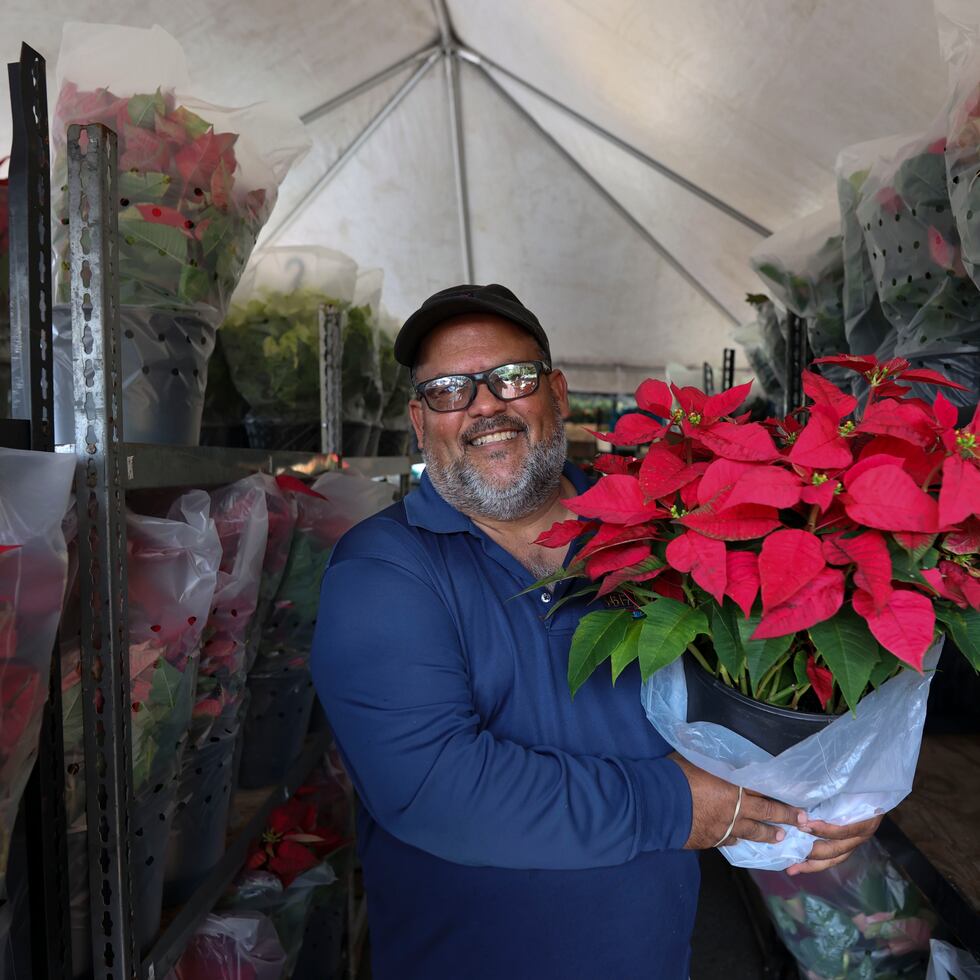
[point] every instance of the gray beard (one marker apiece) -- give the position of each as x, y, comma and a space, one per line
461, 485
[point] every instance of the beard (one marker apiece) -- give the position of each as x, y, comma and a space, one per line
460, 483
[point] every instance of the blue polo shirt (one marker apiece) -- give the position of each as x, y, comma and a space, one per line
506, 831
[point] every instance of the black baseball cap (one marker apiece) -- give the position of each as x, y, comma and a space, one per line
458, 301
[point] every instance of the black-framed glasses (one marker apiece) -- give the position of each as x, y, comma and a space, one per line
454, 392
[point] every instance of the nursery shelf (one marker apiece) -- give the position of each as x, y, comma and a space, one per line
148, 466
254, 806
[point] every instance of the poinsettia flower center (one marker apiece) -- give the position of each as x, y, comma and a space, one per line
847, 428
966, 442
271, 836
819, 479
694, 418
677, 415
677, 512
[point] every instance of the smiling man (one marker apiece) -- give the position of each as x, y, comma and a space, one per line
505, 830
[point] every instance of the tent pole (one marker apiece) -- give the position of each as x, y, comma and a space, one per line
667, 256
459, 162
362, 137
369, 83
478, 59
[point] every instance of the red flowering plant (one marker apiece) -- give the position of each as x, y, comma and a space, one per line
292, 841
804, 560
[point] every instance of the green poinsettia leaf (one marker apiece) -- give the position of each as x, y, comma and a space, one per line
760, 655
849, 650
597, 635
167, 241
799, 668
577, 594
143, 187
725, 637
628, 650
143, 109
964, 628
666, 632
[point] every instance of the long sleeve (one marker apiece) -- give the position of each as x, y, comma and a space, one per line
389, 668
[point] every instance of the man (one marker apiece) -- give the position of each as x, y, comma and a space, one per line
506, 831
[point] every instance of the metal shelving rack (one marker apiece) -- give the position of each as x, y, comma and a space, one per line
108, 467
30, 427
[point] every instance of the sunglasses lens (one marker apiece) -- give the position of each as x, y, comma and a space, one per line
448, 394
512, 381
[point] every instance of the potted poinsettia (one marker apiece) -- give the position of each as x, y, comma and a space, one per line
801, 562
805, 566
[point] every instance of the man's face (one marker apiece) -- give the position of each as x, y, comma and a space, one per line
498, 459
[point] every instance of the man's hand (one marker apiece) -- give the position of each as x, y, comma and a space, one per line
713, 805
834, 843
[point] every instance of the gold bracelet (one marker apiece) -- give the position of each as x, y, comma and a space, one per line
731, 826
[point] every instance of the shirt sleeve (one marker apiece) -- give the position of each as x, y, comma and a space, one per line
389, 670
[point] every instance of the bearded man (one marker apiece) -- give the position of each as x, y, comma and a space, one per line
506, 831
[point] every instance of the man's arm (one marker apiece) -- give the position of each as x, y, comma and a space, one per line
399, 702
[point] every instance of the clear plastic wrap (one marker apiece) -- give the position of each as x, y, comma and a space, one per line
860, 765
858, 920
949, 963
271, 334
756, 340
197, 182
802, 265
34, 494
288, 908
172, 569
240, 517
241, 946
335, 503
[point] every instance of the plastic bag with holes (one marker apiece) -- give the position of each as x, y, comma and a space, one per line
271, 339
197, 183
241, 946
241, 517
860, 919
949, 963
335, 503
34, 493
802, 266
860, 765
865, 325
172, 569
288, 908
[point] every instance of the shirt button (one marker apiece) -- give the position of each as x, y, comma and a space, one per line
546, 597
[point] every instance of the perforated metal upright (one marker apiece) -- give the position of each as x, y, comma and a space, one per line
797, 358
331, 343
32, 404
100, 489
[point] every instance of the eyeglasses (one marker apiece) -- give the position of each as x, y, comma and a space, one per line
454, 392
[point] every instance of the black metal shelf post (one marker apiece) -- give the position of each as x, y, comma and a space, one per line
31, 428
797, 358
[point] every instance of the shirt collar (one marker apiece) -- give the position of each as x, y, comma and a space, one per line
425, 508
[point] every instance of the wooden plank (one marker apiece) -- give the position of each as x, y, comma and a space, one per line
941, 817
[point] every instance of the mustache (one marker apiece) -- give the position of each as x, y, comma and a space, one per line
484, 425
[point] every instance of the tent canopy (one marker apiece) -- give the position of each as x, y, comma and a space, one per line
613, 163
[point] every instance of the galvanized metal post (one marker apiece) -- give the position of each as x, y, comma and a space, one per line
30, 326
101, 545
708, 378
797, 358
30, 249
331, 342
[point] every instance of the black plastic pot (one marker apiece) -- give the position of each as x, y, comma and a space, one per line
771, 728
276, 725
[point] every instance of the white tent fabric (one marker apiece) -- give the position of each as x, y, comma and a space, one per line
614, 163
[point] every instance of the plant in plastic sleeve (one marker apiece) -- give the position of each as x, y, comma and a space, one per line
361, 385
172, 568
324, 512
802, 266
271, 334
764, 346
34, 493
239, 946
812, 563
860, 919
197, 183
396, 382
241, 519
